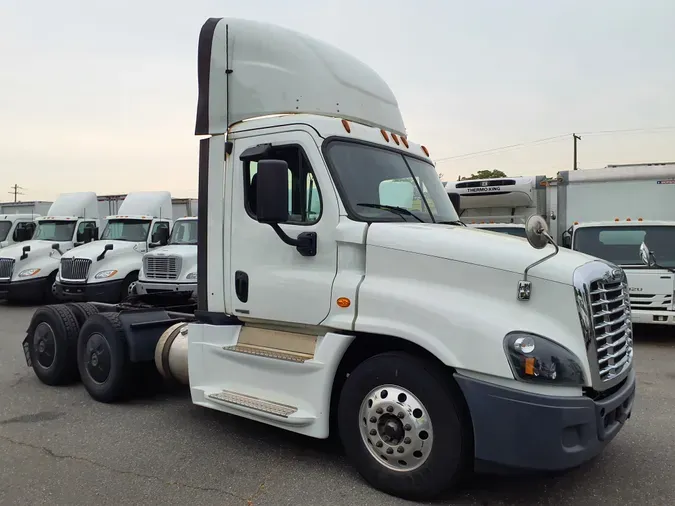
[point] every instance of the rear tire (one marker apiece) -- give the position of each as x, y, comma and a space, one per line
82, 311
103, 358
53, 345
403, 425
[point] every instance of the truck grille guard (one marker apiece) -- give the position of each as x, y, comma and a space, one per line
603, 304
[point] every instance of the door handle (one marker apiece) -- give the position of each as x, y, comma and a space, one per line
241, 285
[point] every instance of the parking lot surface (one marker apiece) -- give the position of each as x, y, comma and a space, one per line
59, 447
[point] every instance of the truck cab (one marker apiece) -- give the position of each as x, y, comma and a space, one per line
499, 204
172, 268
16, 228
28, 269
107, 271
652, 284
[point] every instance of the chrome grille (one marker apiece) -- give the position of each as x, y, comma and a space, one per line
75, 269
160, 267
6, 268
605, 313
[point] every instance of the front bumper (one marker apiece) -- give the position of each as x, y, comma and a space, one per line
516, 429
107, 291
642, 316
24, 290
150, 287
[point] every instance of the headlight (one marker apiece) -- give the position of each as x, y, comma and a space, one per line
192, 275
536, 359
28, 272
105, 274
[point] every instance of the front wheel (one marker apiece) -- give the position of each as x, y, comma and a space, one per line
403, 425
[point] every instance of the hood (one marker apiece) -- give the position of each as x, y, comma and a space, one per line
95, 248
479, 247
37, 248
181, 250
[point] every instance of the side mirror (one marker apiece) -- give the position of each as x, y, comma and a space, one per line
566, 239
536, 230
646, 256
24, 252
272, 192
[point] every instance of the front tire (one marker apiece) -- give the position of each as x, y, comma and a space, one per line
404, 427
128, 286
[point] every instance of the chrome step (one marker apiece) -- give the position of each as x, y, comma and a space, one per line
261, 351
248, 401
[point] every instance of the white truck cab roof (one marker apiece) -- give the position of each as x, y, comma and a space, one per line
74, 205
145, 206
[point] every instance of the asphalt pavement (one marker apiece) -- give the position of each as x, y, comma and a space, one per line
59, 447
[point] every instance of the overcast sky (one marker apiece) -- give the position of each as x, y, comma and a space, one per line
102, 96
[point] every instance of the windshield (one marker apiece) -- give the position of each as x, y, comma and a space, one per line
621, 245
379, 184
5, 226
126, 230
51, 230
184, 232
517, 231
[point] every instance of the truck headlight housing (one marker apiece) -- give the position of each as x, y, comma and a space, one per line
536, 359
105, 274
28, 272
192, 275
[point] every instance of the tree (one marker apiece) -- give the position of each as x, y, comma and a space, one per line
440, 175
485, 174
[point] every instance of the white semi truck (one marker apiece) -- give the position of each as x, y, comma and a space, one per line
18, 220
107, 270
350, 313
172, 268
500, 204
28, 269
609, 213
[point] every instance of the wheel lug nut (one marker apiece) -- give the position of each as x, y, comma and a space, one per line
379, 411
407, 440
373, 432
400, 449
401, 414
407, 426
390, 451
390, 409
379, 444
373, 419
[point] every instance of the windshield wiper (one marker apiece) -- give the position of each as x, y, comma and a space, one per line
394, 209
459, 223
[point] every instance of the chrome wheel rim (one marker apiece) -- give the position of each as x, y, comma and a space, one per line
396, 428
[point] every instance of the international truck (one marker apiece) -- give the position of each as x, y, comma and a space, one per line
15, 228
28, 269
107, 271
352, 316
500, 204
609, 213
172, 268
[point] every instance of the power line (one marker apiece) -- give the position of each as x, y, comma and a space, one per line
549, 139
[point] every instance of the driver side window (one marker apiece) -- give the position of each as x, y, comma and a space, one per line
304, 196
24, 229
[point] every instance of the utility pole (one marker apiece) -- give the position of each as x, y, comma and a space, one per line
575, 138
15, 191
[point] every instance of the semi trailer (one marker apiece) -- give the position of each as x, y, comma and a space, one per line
28, 269
349, 315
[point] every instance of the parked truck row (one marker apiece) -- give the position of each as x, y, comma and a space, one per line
337, 287
623, 214
66, 257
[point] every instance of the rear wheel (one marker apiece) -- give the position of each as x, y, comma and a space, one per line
103, 359
402, 424
82, 311
52, 345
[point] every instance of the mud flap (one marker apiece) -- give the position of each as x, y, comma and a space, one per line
26, 350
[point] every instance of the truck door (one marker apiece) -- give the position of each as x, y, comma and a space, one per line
269, 279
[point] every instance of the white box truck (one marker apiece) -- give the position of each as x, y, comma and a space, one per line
172, 268
350, 312
608, 213
500, 204
28, 269
107, 271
